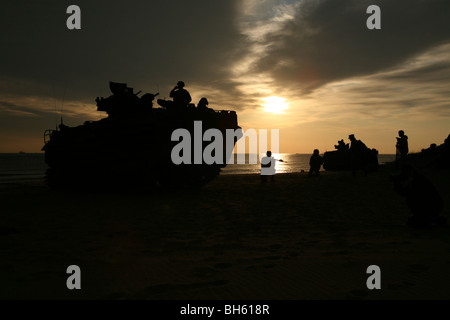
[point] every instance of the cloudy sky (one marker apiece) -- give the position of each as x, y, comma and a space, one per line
310, 68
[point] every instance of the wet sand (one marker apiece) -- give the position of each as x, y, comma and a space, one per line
236, 238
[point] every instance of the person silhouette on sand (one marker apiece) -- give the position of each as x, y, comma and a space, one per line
267, 167
401, 149
315, 162
358, 155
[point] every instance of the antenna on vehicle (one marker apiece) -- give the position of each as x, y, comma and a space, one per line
54, 100
63, 100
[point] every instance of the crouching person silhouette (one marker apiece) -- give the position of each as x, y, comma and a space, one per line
267, 167
422, 198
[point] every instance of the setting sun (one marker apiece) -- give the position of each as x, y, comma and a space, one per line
275, 104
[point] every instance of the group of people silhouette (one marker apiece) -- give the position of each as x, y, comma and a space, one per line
357, 148
124, 96
423, 200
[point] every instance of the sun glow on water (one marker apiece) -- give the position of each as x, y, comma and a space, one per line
275, 104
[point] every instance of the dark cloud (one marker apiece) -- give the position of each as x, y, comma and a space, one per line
154, 43
10, 108
435, 72
328, 40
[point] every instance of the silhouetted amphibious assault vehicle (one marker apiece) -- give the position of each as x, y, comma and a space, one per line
132, 147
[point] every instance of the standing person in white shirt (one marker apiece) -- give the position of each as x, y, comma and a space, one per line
267, 167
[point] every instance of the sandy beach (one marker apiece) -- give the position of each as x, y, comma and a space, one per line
297, 238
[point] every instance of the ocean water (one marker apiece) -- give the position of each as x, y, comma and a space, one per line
16, 167
31, 166
292, 162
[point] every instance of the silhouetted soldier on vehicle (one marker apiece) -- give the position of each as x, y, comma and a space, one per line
358, 155
401, 149
267, 167
422, 197
315, 162
203, 105
341, 145
180, 96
